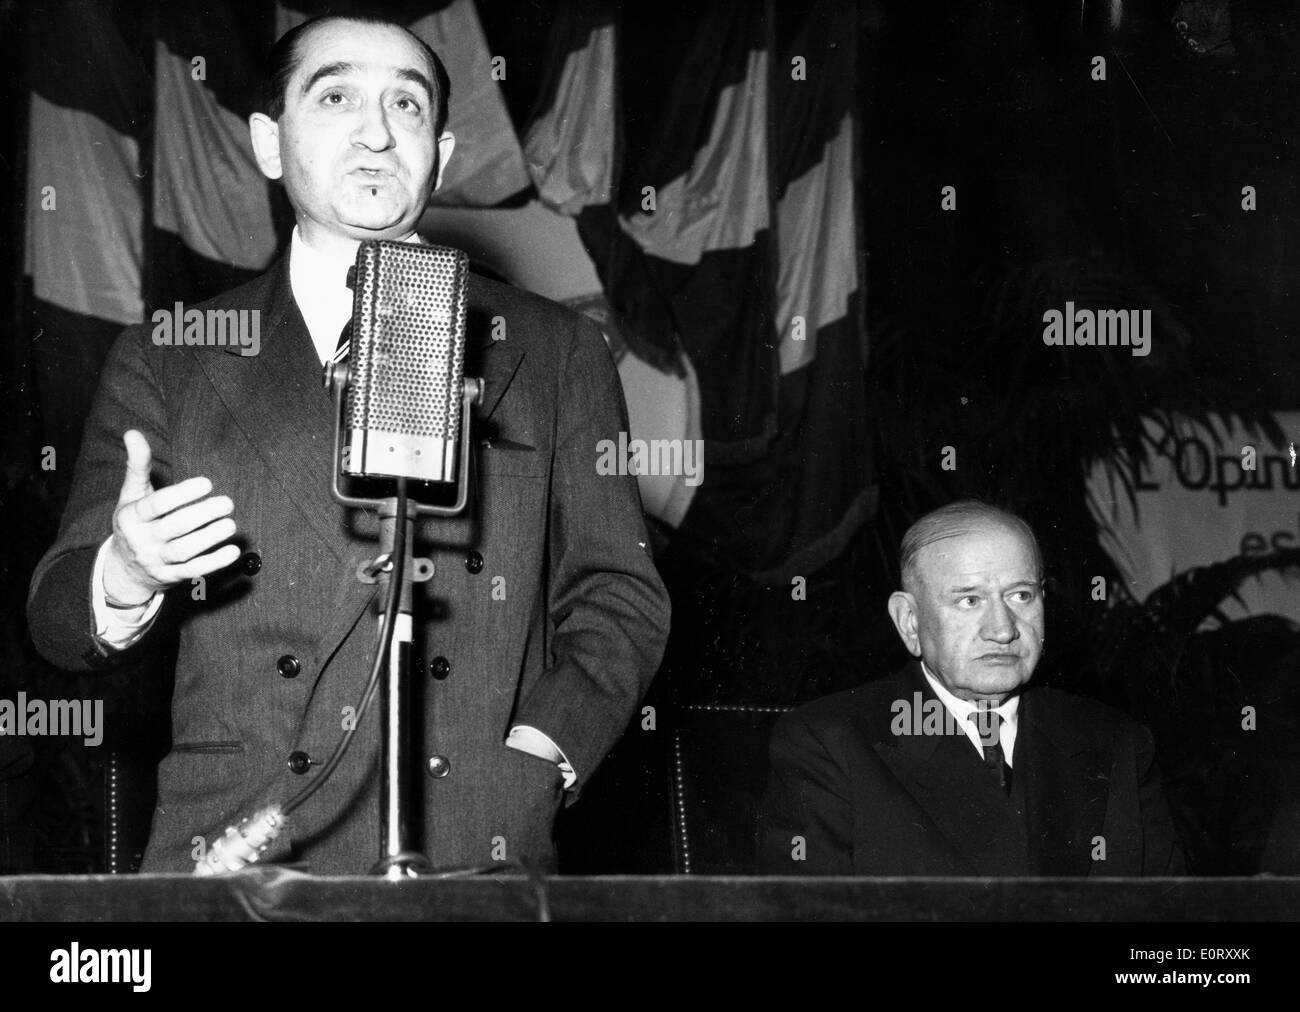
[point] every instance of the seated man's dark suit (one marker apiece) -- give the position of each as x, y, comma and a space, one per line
865, 801
545, 608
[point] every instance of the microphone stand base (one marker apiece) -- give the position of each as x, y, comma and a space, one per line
407, 864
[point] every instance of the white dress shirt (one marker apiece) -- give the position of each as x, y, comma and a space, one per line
318, 281
963, 708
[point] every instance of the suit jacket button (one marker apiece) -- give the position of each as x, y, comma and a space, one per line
289, 666
299, 762
474, 562
439, 766
439, 668
251, 563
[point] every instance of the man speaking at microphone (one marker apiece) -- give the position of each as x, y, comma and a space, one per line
201, 501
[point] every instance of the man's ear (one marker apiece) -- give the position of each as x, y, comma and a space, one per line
902, 609
265, 135
446, 145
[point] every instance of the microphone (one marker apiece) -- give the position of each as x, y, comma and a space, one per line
404, 408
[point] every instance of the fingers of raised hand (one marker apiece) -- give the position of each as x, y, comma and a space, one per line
184, 548
202, 565
165, 500
169, 535
191, 518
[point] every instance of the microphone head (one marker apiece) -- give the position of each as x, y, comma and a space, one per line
406, 377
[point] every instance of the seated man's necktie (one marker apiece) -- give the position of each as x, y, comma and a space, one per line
988, 723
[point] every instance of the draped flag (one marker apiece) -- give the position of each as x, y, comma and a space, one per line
727, 244
214, 213
820, 480
570, 150
90, 101
569, 147
488, 165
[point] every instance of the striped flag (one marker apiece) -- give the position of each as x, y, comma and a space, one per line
215, 222
569, 146
728, 250
83, 254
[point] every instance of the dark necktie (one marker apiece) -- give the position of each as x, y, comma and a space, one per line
988, 723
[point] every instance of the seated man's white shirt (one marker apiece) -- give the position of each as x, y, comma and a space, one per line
963, 708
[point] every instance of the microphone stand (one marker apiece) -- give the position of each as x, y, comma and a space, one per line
398, 856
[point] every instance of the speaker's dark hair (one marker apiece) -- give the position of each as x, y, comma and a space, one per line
285, 57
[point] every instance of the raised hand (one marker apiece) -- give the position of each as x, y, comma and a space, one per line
162, 537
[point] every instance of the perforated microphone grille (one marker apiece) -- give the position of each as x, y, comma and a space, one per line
408, 361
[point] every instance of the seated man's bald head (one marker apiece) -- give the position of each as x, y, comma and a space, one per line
967, 516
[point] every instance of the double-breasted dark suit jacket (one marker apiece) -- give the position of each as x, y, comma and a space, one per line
545, 608
865, 801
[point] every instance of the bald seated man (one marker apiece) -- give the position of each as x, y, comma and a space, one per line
955, 765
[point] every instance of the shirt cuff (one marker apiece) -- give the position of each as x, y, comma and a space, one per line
528, 739
118, 628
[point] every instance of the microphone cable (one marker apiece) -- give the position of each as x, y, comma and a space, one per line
242, 844
394, 595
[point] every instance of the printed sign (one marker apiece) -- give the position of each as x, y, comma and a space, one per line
1206, 495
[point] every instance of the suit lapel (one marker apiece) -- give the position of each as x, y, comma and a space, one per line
1067, 783
926, 769
277, 401
495, 362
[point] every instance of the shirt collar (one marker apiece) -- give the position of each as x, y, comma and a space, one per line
318, 281
316, 266
325, 268
963, 708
